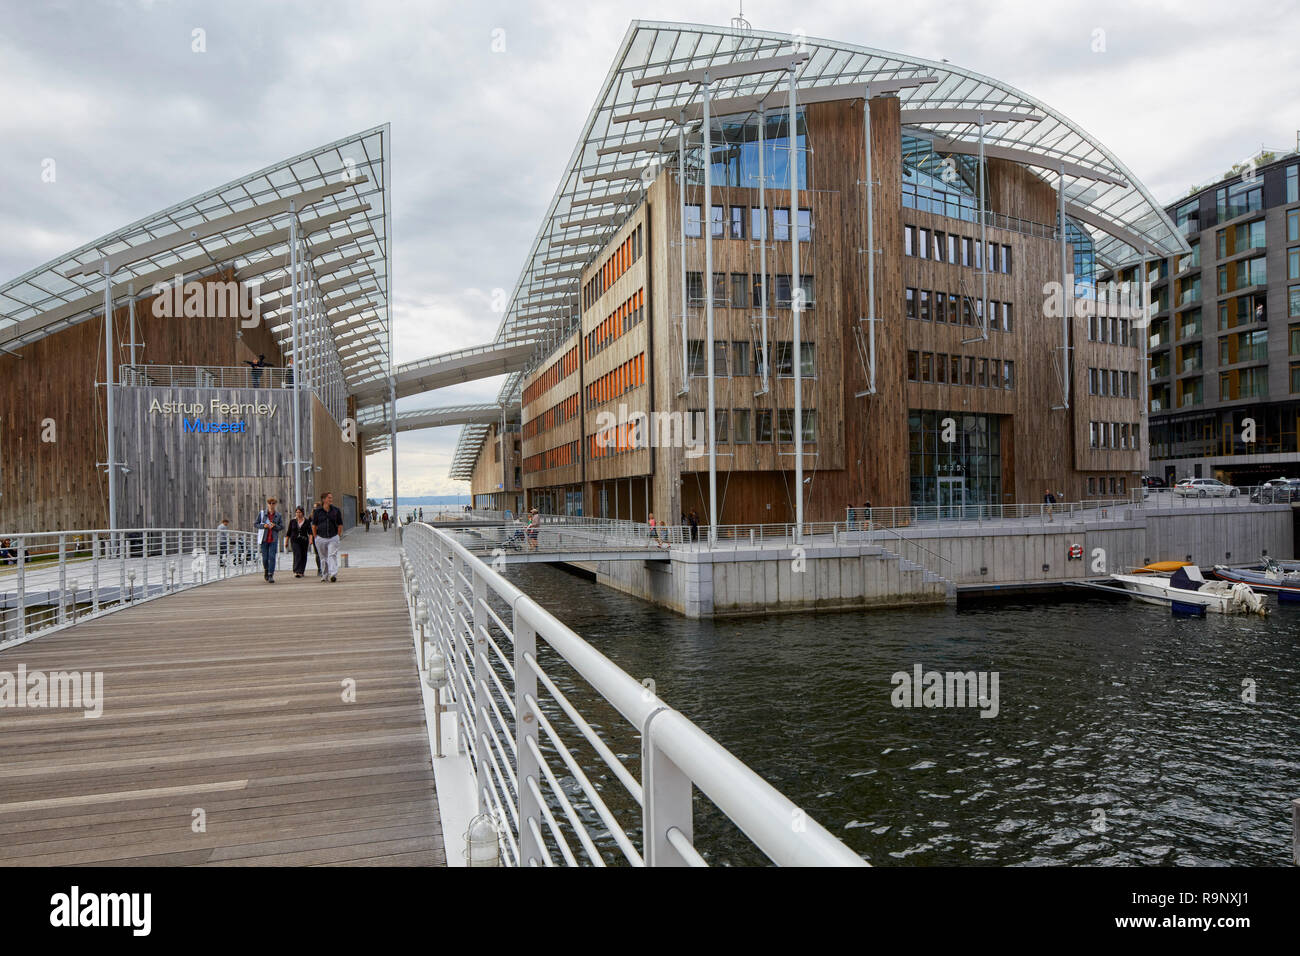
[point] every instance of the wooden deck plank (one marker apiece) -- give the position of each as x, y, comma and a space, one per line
228, 697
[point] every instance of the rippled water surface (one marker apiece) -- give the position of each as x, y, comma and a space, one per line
1122, 736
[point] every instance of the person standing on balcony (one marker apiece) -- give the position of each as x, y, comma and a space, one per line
1049, 499
299, 539
269, 526
694, 520
326, 526
257, 367
288, 373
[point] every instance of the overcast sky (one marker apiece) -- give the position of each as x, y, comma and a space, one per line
137, 121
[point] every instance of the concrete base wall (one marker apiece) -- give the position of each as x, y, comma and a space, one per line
767, 581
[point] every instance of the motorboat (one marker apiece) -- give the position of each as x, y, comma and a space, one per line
1274, 578
1186, 591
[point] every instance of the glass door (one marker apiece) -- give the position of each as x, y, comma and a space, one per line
952, 497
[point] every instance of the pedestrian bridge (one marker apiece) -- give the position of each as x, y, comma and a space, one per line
218, 720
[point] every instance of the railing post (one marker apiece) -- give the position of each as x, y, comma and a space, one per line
62, 614
525, 639
478, 647
666, 796
21, 547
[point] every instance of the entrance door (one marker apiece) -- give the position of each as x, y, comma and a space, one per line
952, 497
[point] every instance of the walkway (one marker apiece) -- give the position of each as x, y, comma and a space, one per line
224, 713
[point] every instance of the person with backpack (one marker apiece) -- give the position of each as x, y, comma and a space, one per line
270, 524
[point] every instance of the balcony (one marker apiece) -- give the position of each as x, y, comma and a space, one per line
204, 376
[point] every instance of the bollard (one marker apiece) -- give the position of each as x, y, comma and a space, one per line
343, 560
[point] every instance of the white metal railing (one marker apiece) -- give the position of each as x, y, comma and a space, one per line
546, 765
54, 579
205, 376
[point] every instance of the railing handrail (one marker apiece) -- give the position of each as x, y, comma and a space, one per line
757, 808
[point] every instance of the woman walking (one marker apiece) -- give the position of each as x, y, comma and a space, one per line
269, 526
654, 531
299, 537
534, 522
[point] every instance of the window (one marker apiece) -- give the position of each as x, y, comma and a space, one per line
808, 359
763, 425
1293, 184
720, 419
737, 222
993, 257
695, 286
717, 223
982, 375
1293, 225
785, 426
740, 425
909, 240
1092, 436
757, 289
954, 369
965, 251
952, 248
979, 254
810, 425
1009, 375
923, 244
1006, 259
1092, 484
940, 312
1293, 264
924, 309
719, 288
783, 290
927, 366
781, 225
756, 224
911, 303
913, 366
695, 360
805, 225
1006, 317
720, 359
1092, 381
784, 354
941, 369
740, 359
693, 221
739, 289
939, 246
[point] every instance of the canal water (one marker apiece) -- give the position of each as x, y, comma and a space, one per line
1122, 735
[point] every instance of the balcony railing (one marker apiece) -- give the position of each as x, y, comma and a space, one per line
205, 376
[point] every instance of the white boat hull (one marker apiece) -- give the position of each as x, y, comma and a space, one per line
1214, 596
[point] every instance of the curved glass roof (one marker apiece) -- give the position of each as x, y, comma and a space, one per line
340, 193
623, 132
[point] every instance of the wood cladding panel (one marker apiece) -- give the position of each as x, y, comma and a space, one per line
56, 485
334, 458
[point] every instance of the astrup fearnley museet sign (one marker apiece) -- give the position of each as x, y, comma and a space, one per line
215, 407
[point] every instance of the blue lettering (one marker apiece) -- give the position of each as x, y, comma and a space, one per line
199, 425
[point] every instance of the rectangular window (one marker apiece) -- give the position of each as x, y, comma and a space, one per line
1009, 375
1293, 225
784, 355
1293, 184
927, 366
979, 254
737, 222
1293, 264
785, 426
740, 359
923, 244
783, 290
1006, 259
909, 240
940, 307
810, 425
719, 288
954, 369
954, 316
740, 425
982, 380
695, 286
739, 289
969, 378
695, 361
763, 425
756, 223
720, 419
1006, 317
720, 359
913, 366
693, 221
781, 225
805, 225
808, 359
717, 223
952, 248
965, 251
1092, 434
993, 257
924, 310
911, 303
941, 369
939, 246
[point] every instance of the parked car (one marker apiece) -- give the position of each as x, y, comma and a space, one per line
1262, 492
1281, 492
1152, 481
1205, 488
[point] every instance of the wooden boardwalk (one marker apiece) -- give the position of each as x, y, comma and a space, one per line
229, 699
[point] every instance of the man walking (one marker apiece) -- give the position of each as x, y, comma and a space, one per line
326, 525
269, 527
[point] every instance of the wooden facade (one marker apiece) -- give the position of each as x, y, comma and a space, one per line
53, 389
497, 485
863, 444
